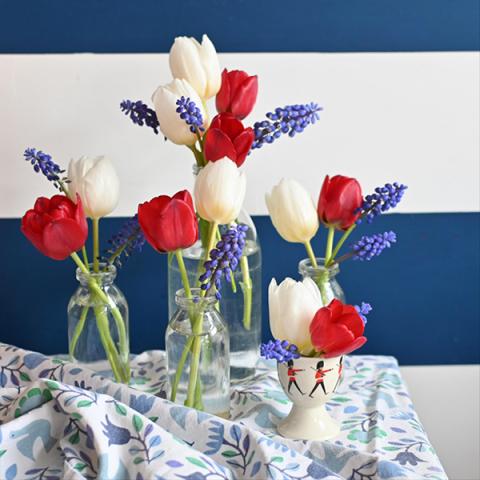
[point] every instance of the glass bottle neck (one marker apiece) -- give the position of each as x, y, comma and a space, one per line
105, 276
196, 301
307, 269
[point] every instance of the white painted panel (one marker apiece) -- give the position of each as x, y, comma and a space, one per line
447, 400
412, 117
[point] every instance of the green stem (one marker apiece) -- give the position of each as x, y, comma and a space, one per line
340, 243
183, 273
96, 245
310, 253
247, 292
329, 248
180, 367
85, 256
78, 331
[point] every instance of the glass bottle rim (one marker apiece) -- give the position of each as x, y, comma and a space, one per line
106, 274
305, 267
195, 299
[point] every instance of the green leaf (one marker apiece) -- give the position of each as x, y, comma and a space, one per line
2, 452
80, 466
153, 419
22, 401
391, 449
24, 376
84, 403
76, 416
120, 409
341, 399
75, 438
138, 460
277, 459
137, 423
52, 385
196, 462
47, 395
34, 391
230, 453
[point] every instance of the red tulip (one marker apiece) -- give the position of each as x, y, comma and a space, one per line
169, 223
337, 330
227, 137
238, 93
56, 226
340, 199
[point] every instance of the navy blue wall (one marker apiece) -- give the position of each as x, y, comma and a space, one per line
425, 290
51, 26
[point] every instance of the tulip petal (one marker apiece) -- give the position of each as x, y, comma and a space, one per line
218, 145
356, 344
185, 196
62, 237
222, 100
229, 125
242, 145
244, 97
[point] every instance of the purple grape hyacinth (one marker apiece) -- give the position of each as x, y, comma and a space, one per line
190, 113
280, 350
42, 162
140, 114
363, 310
383, 199
371, 246
224, 259
291, 119
129, 239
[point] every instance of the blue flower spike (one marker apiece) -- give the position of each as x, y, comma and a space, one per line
363, 310
224, 259
42, 162
291, 119
280, 350
384, 199
140, 114
371, 246
190, 114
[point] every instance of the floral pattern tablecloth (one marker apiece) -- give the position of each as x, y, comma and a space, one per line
58, 421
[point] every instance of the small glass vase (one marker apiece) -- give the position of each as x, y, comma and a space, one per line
197, 346
244, 324
98, 324
324, 277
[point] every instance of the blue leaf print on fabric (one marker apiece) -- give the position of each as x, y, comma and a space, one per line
11, 472
215, 438
142, 404
179, 414
33, 360
116, 435
386, 470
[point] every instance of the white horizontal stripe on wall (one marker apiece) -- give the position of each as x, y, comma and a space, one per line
411, 117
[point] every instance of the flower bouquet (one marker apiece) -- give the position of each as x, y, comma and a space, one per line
197, 340
58, 228
341, 207
180, 112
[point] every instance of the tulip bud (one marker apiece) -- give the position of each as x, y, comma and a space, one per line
197, 63
169, 223
292, 305
96, 182
339, 202
165, 102
337, 329
220, 191
56, 226
292, 211
237, 94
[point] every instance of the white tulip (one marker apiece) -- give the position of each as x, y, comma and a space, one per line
292, 306
197, 63
171, 125
292, 211
96, 182
219, 191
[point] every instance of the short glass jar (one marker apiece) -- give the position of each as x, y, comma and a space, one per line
98, 324
198, 354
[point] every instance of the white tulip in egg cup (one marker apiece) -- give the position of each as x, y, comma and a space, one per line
309, 382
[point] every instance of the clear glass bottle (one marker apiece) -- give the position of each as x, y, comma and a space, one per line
324, 277
244, 325
98, 324
197, 340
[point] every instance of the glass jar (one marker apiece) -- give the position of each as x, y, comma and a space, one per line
98, 324
197, 346
324, 277
244, 324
